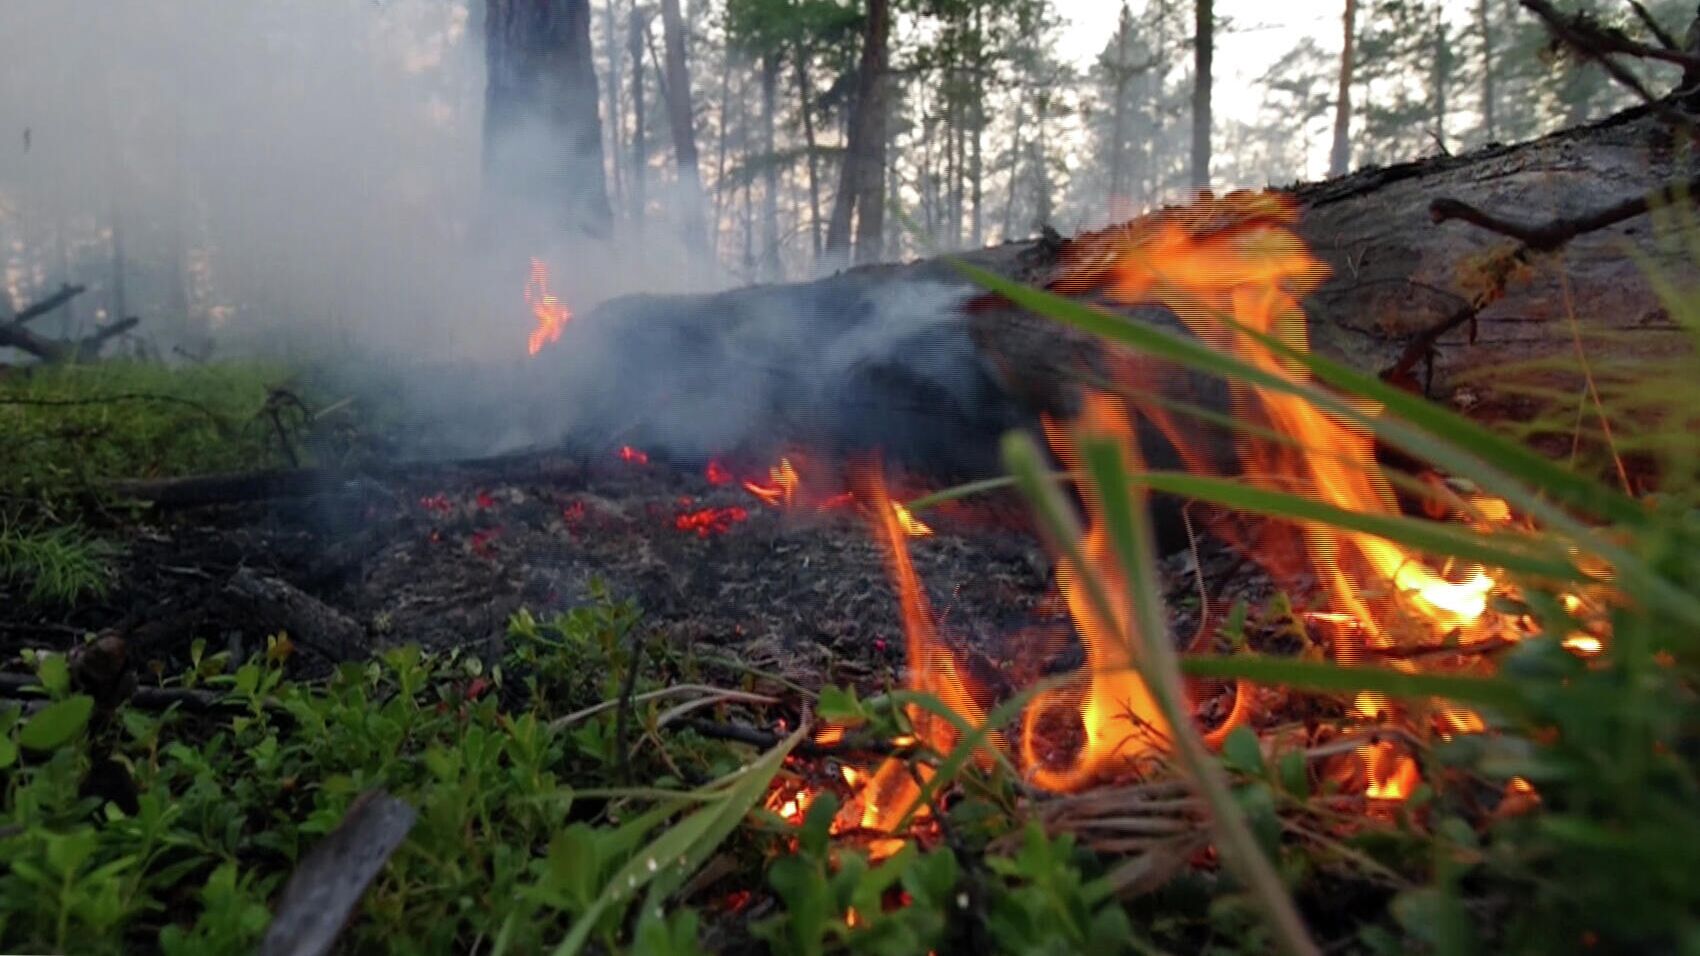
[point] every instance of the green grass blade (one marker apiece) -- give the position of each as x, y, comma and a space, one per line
1496, 693
1130, 534
680, 850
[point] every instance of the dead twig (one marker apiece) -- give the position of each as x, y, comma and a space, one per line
1547, 236
1654, 27
1593, 42
329, 883
65, 294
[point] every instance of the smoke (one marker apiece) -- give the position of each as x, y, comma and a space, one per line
305, 172
303, 179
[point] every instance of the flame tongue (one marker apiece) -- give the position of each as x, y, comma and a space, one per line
552, 316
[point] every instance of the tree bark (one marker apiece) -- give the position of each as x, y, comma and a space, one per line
542, 134
616, 118
862, 174
682, 121
640, 149
806, 110
1489, 96
1203, 57
771, 270
1340, 156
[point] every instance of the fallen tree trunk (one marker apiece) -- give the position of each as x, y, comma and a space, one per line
883, 354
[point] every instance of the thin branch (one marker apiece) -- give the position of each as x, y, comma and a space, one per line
1597, 45
65, 294
1653, 26
1547, 236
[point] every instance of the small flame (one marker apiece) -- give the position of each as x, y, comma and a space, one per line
781, 489
717, 474
633, 456
911, 525
552, 316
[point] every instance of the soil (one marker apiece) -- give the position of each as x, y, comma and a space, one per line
444, 559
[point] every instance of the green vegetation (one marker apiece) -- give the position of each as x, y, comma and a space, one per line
72, 429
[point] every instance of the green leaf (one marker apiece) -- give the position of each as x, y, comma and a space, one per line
1242, 753
671, 858
56, 724
840, 706
54, 674
8, 752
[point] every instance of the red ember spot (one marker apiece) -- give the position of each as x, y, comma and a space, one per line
709, 521
482, 540
573, 513
438, 504
628, 453
717, 473
484, 499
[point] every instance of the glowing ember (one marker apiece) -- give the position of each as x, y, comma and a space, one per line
632, 455
717, 474
705, 522
552, 316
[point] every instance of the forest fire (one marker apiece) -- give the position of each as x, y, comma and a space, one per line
552, 316
1234, 272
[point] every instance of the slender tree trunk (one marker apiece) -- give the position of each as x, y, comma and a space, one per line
680, 118
1014, 166
1488, 94
118, 300
640, 145
1204, 52
806, 109
616, 118
542, 134
1340, 157
976, 176
720, 160
770, 171
861, 177
1442, 76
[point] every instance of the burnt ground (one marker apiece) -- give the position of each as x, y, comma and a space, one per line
443, 557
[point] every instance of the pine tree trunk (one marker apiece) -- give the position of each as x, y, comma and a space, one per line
640, 147
1441, 76
682, 122
1340, 157
542, 134
805, 108
976, 175
1014, 167
770, 172
1488, 93
1204, 53
615, 118
861, 177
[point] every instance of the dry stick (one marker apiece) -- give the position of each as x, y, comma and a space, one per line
1541, 237
329, 883
639, 649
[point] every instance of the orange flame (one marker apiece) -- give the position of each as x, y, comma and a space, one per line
552, 316
781, 489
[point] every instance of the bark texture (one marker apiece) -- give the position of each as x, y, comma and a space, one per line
542, 134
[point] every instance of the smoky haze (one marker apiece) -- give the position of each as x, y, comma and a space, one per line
298, 175
304, 180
